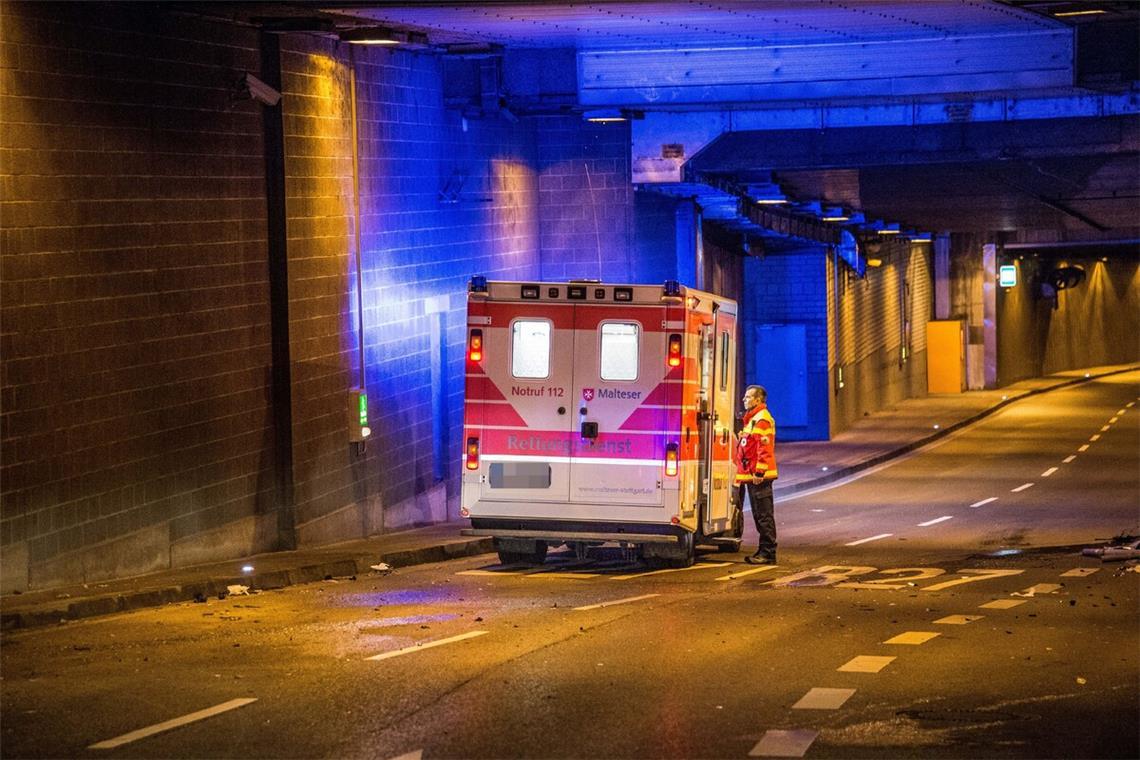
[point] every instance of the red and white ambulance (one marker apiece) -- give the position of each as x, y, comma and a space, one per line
599, 413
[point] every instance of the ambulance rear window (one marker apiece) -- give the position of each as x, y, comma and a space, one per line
619, 351
530, 348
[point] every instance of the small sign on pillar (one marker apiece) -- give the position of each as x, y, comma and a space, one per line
1007, 275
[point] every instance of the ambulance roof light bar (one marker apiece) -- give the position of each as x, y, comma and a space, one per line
671, 292
478, 287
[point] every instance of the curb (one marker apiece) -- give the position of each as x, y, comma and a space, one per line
335, 568
878, 459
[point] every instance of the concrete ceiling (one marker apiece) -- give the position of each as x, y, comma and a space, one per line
1086, 190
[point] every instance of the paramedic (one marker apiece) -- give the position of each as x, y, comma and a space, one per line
756, 469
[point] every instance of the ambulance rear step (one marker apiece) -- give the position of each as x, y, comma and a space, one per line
557, 537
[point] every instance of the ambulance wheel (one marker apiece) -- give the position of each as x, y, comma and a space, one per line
535, 557
687, 552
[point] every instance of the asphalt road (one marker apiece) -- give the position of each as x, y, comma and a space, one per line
1012, 644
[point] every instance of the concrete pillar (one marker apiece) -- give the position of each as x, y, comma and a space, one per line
942, 276
989, 296
687, 225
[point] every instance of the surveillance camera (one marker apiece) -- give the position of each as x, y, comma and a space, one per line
260, 91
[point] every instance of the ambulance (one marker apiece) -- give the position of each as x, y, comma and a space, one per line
599, 413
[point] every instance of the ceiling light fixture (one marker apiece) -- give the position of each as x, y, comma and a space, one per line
835, 214
767, 194
373, 35
1087, 12
604, 116
887, 229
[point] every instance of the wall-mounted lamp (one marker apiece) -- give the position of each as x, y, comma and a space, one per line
252, 87
887, 229
921, 237
874, 262
835, 214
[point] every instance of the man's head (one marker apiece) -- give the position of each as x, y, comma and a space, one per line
754, 395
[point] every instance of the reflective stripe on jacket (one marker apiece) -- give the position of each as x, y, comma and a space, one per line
755, 454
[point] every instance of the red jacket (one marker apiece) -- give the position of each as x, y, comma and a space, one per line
755, 454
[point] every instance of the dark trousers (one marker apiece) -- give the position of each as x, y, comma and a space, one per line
763, 513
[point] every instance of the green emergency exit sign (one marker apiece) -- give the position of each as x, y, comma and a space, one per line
1007, 275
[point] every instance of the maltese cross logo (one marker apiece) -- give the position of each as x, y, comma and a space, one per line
587, 394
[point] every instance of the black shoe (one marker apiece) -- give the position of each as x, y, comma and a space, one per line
760, 559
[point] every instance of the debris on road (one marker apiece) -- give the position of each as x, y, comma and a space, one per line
1121, 547
237, 590
382, 567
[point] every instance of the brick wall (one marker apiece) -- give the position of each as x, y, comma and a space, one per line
135, 411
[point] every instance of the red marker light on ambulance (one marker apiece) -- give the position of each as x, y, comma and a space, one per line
674, 359
475, 346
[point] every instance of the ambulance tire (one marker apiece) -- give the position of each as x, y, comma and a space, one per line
688, 552
537, 557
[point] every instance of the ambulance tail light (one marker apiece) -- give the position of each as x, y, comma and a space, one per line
475, 346
671, 460
674, 359
472, 458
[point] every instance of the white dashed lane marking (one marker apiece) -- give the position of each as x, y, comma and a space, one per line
1114, 419
958, 619
983, 502
783, 743
742, 573
1021, 488
417, 755
617, 601
166, 725
1049, 472
872, 538
1079, 572
1084, 447
426, 645
935, 521
1068, 459
1095, 438
912, 638
1105, 428
1002, 604
865, 663
821, 698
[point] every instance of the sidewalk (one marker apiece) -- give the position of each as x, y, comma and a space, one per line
887, 433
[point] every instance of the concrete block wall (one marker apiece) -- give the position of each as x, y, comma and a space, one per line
878, 332
443, 198
135, 408
783, 289
586, 202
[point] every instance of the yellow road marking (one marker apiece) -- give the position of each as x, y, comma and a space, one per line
1001, 604
913, 638
865, 663
742, 573
958, 619
696, 566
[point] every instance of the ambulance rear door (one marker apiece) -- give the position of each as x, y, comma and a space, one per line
528, 411
618, 434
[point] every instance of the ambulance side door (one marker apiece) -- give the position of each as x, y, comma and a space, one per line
722, 403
